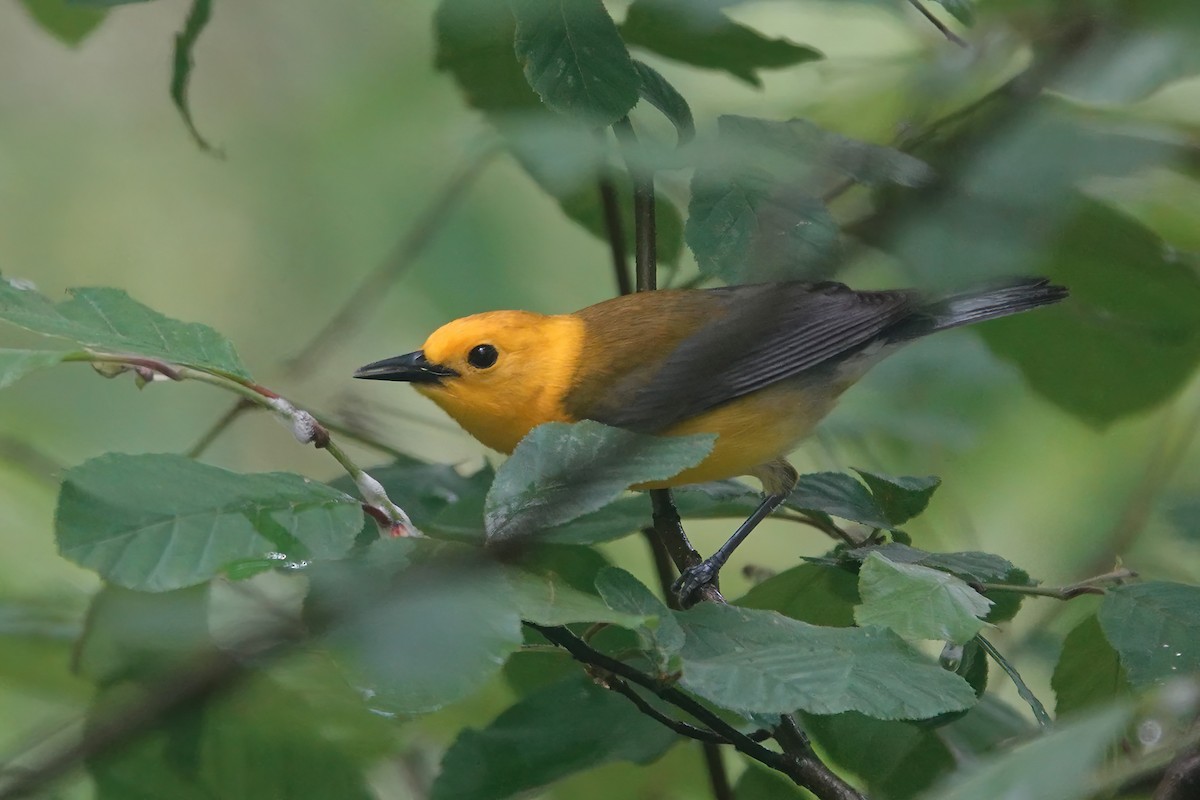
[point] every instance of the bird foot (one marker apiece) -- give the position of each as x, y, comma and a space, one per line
694, 578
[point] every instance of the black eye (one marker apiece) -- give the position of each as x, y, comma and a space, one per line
482, 356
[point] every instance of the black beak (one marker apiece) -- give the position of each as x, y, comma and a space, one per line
411, 367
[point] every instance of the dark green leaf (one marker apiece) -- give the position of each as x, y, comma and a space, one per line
432, 636
961, 10
441, 502
989, 725
137, 635
547, 600
813, 593
1185, 517
182, 63
896, 759
66, 21
573, 57
838, 495
584, 207
702, 36
749, 228
1134, 312
763, 662
157, 522
918, 602
108, 319
900, 498
560, 472
261, 741
1155, 629
566, 727
16, 364
475, 45
656, 90
1052, 767
660, 632
801, 151
970, 566
763, 783
1088, 673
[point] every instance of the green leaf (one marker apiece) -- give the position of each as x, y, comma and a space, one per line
66, 21
812, 593
547, 600
573, 57
657, 90
897, 759
182, 63
748, 228
441, 502
132, 635
475, 45
763, 662
261, 740
1052, 767
801, 151
1130, 332
431, 636
659, 632
918, 602
1155, 629
560, 472
973, 567
583, 206
838, 495
158, 522
109, 320
561, 729
961, 10
758, 782
900, 498
702, 36
1088, 673
16, 364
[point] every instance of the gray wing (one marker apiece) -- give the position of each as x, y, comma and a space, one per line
769, 333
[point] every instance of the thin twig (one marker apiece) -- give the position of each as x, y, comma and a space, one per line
682, 728
937, 23
616, 233
305, 427
240, 406
1089, 586
374, 286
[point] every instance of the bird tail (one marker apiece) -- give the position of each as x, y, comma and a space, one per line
977, 305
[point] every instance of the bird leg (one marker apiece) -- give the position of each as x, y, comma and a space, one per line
778, 479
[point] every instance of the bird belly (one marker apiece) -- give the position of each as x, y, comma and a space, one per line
753, 430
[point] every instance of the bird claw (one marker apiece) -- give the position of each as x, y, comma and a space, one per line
693, 579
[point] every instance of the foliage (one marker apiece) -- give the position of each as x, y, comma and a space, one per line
267, 634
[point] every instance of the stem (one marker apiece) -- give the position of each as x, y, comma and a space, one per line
305, 427
1089, 586
374, 286
1039, 710
937, 23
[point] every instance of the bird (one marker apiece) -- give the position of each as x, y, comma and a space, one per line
759, 365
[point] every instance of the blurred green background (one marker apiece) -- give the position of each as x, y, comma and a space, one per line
337, 132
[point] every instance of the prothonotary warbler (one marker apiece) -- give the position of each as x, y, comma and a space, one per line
758, 365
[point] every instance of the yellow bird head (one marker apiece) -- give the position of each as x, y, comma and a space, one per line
498, 374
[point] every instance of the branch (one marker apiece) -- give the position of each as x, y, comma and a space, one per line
304, 426
1070, 592
374, 286
937, 23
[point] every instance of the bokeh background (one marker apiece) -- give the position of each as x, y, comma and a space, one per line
337, 134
